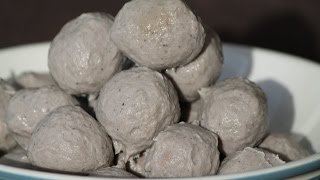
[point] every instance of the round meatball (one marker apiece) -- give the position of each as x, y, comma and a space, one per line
34, 80
236, 110
136, 164
158, 34
285, 146
82, 57
70, 140
112, 172
183, 150
134, 106
201, 72
29, 106
6, 139
17, 157
248, 159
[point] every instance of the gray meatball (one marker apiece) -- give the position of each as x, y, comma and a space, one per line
70, 140
201, 72
285, 146
34, 80
248, 159
183, 150
17, 157
236, 110
137, 163
29, 106
6, 139
158, 34
112, 172
82, 57
134, 106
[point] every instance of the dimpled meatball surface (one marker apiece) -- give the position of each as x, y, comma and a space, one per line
70, 140
248, 159
29, 106
112, 172
6, 139
183, 150
82, 57
235, 109
134, 106
158, 34
34, 80
284, 145
201, 72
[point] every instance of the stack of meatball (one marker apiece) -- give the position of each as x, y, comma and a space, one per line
149, 76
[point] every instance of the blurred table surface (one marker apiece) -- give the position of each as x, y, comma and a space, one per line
290, 26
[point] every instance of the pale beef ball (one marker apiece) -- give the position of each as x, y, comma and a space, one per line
284, 145
235, 109
17, 157
137, 163
248, 159
29, 106
34, 80
201, 72
70, 140
183, 150
112, 172
82, 57
134, 106
158, 34
6, 139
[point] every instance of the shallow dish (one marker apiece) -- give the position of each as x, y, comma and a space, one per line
290, 82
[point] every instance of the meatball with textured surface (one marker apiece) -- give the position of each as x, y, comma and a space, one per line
248, 159
6, 139
134, 106
201, 72
29, 106
158, 34
284, 145
235, 109
82, 57
34, 80
183, 150
112, 172
70, 140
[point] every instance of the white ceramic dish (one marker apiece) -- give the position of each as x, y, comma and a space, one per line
291, 85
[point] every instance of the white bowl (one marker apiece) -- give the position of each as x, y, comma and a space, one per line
291, 84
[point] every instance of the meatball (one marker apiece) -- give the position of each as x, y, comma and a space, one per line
34, 80
248, 159
201, 72
6, 139
136, 164
111, 172
70, 140
134, 106
16, 158
158, 34
29, 106
183, 150
285, 146
236, 110
82, 57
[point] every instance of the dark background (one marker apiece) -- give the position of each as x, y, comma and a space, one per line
291, 26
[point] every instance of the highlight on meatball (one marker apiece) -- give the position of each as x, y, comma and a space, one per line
183, 150
134, 106
158, 34
235, 109
6, 138
29, 106
201, 72
82, 57
70, 140
248, 159
112, 172
284, 145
